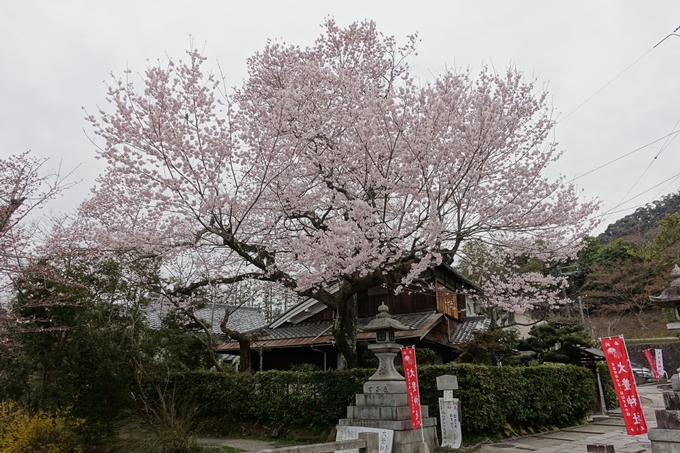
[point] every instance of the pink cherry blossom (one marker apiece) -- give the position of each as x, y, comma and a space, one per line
333, 167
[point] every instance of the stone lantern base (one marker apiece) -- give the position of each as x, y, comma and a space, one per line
384, 405
666, 437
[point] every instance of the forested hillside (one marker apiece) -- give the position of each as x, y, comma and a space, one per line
620, 269
640, 226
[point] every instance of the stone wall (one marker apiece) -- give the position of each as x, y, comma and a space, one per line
671, 354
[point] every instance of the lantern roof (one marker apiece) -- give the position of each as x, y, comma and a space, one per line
383, 322
671, 295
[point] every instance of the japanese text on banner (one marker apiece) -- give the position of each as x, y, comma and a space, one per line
624, 383
658, 354
408, 359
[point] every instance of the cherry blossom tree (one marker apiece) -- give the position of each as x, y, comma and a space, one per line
187, 301
25, 186
331, 170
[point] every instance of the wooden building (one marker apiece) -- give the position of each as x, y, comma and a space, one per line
441, 317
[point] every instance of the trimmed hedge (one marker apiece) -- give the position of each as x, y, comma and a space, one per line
493, 399
272, 399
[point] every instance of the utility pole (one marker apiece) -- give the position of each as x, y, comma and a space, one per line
580, 307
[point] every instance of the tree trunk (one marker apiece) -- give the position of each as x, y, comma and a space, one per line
244, 353
210, 349
345, 330
244, 341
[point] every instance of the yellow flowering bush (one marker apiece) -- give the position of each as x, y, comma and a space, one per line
22, 431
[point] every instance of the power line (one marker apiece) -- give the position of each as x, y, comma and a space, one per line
673, 178
605, 86
668, 142
625, 155
620, 210
671, 34
619, 75
610, 212
663, 147
664, 189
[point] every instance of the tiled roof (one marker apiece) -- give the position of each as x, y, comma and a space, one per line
464, 332
319, 333
243, 319
312, 329
302, 330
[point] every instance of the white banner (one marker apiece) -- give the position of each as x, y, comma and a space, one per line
449, 416
659, 361
385, 436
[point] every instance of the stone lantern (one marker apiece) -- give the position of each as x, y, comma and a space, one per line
666, 436
384, 348
383, 406
384, 325
670, 298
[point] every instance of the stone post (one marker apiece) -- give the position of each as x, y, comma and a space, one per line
449, 412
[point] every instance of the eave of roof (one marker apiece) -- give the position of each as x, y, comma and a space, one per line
465, 332
308, 306
463, 278
424, 322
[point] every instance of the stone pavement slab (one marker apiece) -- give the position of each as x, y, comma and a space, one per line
587, 429
609, 430
601, 431
242, 444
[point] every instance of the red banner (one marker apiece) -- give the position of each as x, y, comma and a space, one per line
652, 363
624, 383
408, 359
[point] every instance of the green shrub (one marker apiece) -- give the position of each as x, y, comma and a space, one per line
493, 398
173, 432
273, 399
521, 398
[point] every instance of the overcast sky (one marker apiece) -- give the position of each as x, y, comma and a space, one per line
56, 54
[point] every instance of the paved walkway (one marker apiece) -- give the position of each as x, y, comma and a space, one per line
609, 430
242, 444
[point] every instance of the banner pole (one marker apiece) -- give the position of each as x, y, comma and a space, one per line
618, 362
408, 356
420, 404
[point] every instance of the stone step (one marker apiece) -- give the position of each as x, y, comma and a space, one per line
382, 399
383, 413
667, 419
414, 435
386, 424
664, 435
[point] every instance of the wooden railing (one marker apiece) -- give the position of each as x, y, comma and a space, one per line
366, 443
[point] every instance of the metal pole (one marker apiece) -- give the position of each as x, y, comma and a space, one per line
603, 403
